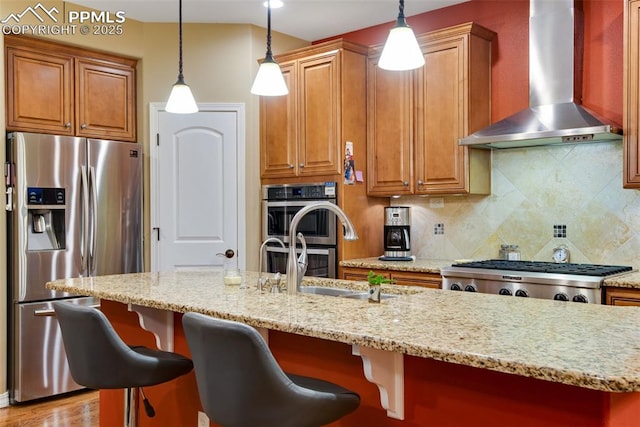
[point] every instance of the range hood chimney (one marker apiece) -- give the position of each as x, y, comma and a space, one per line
553, 116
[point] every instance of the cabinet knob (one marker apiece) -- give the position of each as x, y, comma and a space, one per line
301, 165
420, 182
67, 125
405, 183
290, 166
83, 126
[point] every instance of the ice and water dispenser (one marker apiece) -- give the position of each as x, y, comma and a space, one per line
46, 218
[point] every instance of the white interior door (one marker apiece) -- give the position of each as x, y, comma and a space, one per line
197, 187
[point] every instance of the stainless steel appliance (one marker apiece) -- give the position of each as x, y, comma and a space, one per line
280, 203
554, 116
535, 279
397, 232
74, 209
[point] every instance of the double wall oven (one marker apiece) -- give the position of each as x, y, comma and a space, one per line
279, 205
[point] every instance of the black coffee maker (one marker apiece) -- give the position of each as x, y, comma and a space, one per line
397, 229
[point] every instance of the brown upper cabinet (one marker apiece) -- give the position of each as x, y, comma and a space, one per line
302, 133
59, 89
415, 118
631, 104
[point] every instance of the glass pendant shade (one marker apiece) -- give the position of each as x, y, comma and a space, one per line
269, 80
401, 50
181, 99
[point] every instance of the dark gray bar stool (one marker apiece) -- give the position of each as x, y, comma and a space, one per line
99, 359
241, 384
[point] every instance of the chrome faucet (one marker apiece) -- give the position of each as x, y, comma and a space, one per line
262, 281
297, 267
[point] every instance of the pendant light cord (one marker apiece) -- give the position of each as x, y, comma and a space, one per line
269, 55
180, 76
401, 19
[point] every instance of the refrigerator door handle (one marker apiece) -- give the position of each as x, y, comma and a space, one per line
94, 219
84, 247
50, 312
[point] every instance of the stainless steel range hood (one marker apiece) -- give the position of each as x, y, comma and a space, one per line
553, 116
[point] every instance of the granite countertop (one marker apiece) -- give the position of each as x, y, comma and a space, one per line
587, 345
629, 280
417, 265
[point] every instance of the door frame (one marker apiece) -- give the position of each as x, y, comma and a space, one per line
155, 108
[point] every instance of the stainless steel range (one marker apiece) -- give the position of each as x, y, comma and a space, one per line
534, 279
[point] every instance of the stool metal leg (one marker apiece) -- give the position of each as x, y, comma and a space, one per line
131, 407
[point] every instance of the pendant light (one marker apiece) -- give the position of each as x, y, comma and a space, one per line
401, 50
269, 80
181, 99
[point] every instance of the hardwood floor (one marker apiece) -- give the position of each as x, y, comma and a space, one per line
76, 410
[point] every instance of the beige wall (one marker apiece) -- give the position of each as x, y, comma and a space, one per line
219, 64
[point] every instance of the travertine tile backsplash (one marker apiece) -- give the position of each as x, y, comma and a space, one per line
533, 189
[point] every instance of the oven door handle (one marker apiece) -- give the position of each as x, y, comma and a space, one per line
310, 251
294, 203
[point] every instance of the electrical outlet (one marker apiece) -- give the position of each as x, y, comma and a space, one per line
436, 202
203, 420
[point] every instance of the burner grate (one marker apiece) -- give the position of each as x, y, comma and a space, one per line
548, 267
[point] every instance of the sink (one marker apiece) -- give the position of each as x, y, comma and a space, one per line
340, 292
322, 290
365, 295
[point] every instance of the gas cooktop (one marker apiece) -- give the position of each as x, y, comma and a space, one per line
536, 279
548, 267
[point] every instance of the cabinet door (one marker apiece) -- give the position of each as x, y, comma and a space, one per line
278, 130
319, 115
631, 119
105, 100
360, 274
426, 280
39, 92
622, 297
390, 131
441, 102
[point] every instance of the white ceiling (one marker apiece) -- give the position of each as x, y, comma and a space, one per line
306, 19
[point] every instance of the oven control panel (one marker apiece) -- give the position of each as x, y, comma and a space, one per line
317, 191
523, 290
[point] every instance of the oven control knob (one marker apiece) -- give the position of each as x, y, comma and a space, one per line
580, 298
456, 287
521, 293
561, 297
470, 288
505, 291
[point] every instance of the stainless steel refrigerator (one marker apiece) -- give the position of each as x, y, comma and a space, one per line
74, 209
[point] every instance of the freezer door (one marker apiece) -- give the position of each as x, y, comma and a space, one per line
115, 177
38, 363
44, 162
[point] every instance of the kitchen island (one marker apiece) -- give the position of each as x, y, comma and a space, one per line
454, 358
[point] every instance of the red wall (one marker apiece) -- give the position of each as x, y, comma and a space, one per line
602, 72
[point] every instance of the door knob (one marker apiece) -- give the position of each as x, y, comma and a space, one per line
229, 253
